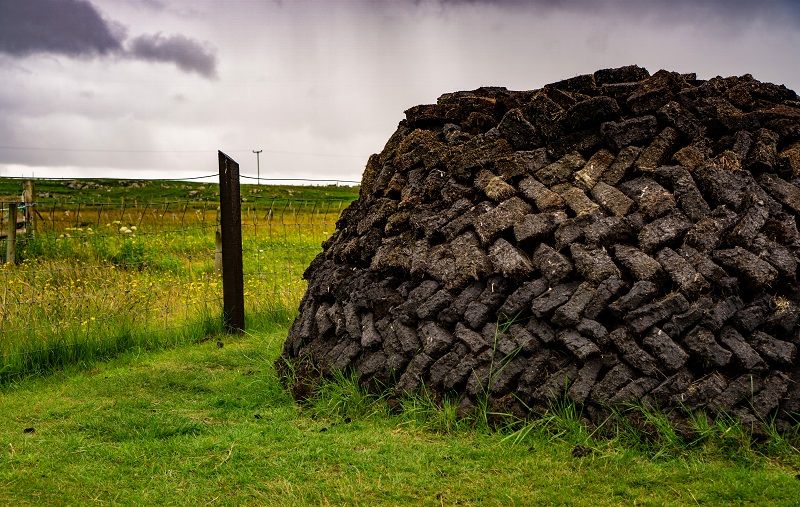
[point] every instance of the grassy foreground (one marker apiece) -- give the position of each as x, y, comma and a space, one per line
202, 424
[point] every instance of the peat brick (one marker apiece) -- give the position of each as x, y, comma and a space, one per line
520, 299
544, 198
707, 234
444, 365
635, 391
749, 225
776, 351
632, 353
456, 310
688, 197
626, 74
500, 218
571, 231
779, 256
645, 317
552, 299
702, 391
607, 290
538, 226
591, 112
652, 199
740, 389
753, 315
676, 116
706, 267
591, 173
407, 337
593, 330
594, 264
638, 263
663, 231
614, 380
541, 330
569, 314
690, 157
473, 340
435, 339
681, 272
561, 170
680, 322
369, 335
577, 200
635, 131
509, 260
440, 300
518, 131
768, 399
618, 169
585, 380
656, 153
720, 186
702, 343
551, 264
744, 354
641, 292
526, 342
476, 314
763, 155
759, 272
670, 355
721, 312
611, 199
556, 384
607, 231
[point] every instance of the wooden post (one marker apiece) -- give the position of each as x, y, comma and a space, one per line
230, 207
218, 242
11, 238
30, 215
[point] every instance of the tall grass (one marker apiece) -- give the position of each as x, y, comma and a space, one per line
634, 429
98, 279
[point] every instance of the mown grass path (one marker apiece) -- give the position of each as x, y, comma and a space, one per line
207, 425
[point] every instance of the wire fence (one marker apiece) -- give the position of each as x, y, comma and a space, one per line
97, 272
280, 238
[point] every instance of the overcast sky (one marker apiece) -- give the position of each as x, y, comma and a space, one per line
152, 88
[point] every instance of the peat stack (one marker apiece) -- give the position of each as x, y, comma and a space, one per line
613, 238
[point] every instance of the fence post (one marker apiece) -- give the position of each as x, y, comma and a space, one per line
11, 237
218, 243
30, 215
230, 206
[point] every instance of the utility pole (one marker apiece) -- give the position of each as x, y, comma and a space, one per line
258, 166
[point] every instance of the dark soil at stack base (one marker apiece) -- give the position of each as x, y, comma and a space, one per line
611, 238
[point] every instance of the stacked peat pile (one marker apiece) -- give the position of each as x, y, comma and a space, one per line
615, 237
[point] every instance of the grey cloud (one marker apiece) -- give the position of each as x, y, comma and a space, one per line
188, 54
67, 27
76, 28
678, 11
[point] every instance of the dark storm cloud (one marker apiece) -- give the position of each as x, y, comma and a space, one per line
68, 27
679, 11
76, 28
188, 54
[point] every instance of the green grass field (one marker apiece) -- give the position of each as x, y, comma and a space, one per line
201, 424
121, 265
100, 190
117, 386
